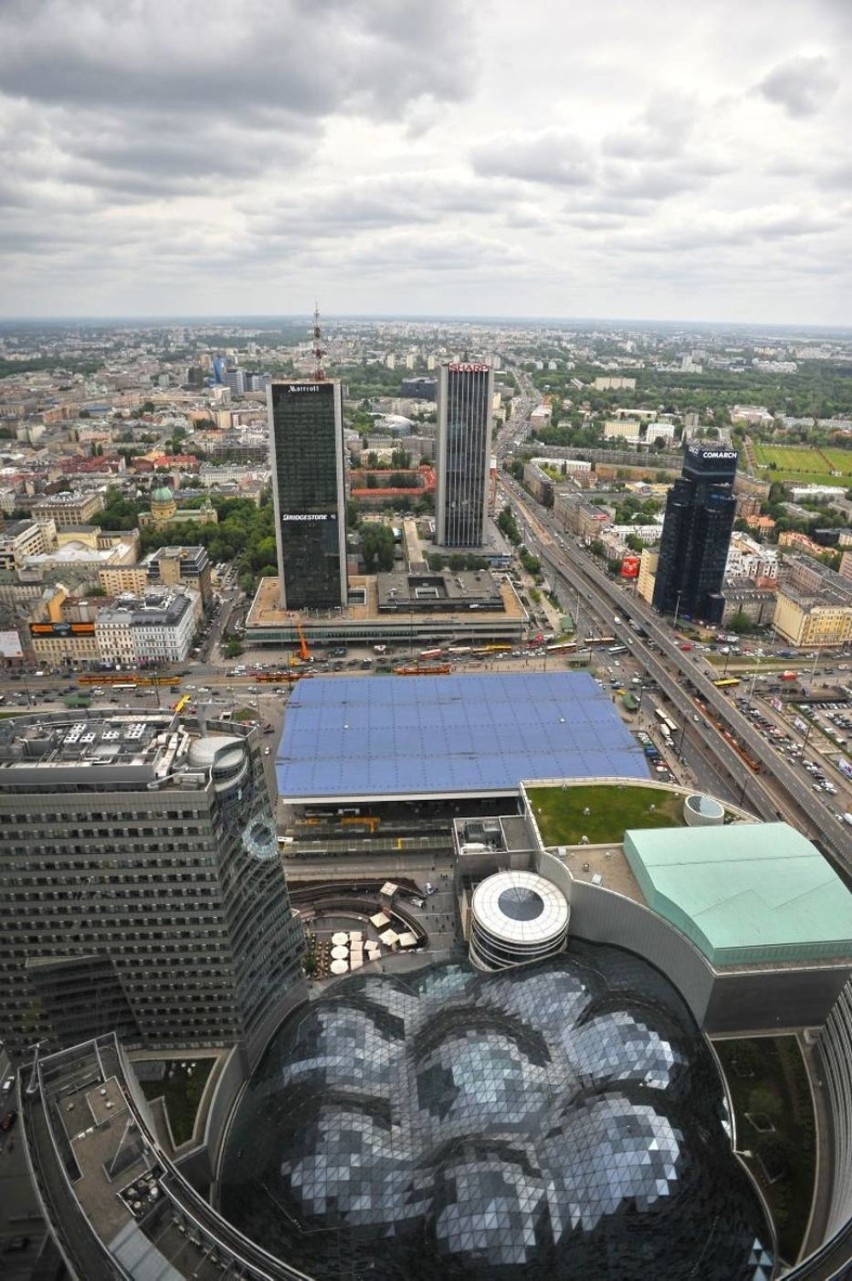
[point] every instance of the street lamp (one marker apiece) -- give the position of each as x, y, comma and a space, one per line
677, 608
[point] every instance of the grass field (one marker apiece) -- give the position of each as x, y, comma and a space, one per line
807, 465
612, 810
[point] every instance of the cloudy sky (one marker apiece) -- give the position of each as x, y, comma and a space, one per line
634, 158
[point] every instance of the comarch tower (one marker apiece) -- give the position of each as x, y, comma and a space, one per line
306, 448
700, 511
465, 394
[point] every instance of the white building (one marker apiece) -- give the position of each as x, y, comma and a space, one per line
621, 428
157, 627
659, 431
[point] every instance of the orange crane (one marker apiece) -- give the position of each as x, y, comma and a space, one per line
304, 652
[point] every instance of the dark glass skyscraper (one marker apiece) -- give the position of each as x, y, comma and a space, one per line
700, 511
306, 448
465, 392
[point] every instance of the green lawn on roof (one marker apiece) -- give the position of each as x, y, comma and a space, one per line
612, 810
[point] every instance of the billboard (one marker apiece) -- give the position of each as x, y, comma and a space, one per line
62, 629
630, 567
844, 767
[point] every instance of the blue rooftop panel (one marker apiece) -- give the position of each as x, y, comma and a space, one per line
374, 737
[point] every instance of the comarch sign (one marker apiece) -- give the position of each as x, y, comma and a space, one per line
716, 455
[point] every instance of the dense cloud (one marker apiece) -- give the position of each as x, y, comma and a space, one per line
802, 86
385, 156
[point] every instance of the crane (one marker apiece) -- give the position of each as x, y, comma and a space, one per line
304, 652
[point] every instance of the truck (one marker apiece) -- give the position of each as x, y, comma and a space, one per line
788, 676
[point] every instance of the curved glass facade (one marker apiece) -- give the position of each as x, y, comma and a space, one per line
561, 1120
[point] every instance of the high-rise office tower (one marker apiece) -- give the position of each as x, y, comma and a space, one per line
700, 511
142, 888
306, 447
465, 393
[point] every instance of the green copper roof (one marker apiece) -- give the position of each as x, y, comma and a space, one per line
744, 893
162, 494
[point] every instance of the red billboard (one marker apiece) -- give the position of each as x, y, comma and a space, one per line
630, 567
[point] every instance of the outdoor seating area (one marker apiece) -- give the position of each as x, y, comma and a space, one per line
336, 950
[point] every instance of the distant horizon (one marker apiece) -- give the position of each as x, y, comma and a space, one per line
448, 318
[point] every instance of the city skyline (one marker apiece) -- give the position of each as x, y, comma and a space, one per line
213, 163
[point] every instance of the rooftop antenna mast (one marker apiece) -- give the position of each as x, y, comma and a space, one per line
319, 350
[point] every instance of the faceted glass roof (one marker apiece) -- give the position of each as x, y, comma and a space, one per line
559, 1120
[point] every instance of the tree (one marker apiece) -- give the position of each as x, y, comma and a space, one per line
741, 623
507, 525
377, 546
353, 509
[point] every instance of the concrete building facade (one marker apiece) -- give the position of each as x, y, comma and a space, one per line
142, 886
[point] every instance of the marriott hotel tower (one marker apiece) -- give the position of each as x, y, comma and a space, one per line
306, 449
465, 393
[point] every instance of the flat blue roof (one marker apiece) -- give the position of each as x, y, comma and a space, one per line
376, 737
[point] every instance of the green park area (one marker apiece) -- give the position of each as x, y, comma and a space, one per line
772, 1105
562, 819
803, 465
181, 1089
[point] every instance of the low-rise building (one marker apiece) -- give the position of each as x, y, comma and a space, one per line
22, 538
751, 600
68, 509
181, 566
576, 514
157, 627
811, 622
647, 574
621, 429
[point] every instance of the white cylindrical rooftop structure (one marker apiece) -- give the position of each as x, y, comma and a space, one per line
703, 811
516, 917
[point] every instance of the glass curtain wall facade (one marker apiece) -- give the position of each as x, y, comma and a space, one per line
465, 393
306, 448
700, 511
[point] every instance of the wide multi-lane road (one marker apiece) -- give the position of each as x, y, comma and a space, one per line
778, 791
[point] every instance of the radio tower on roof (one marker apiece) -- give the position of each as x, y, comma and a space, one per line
319, 350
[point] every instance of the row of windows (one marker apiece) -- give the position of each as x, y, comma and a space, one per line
114, 816
82, 865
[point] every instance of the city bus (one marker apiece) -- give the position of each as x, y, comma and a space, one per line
122, 686
727, 682
666, 722
182, 702
617, 649
431, 653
